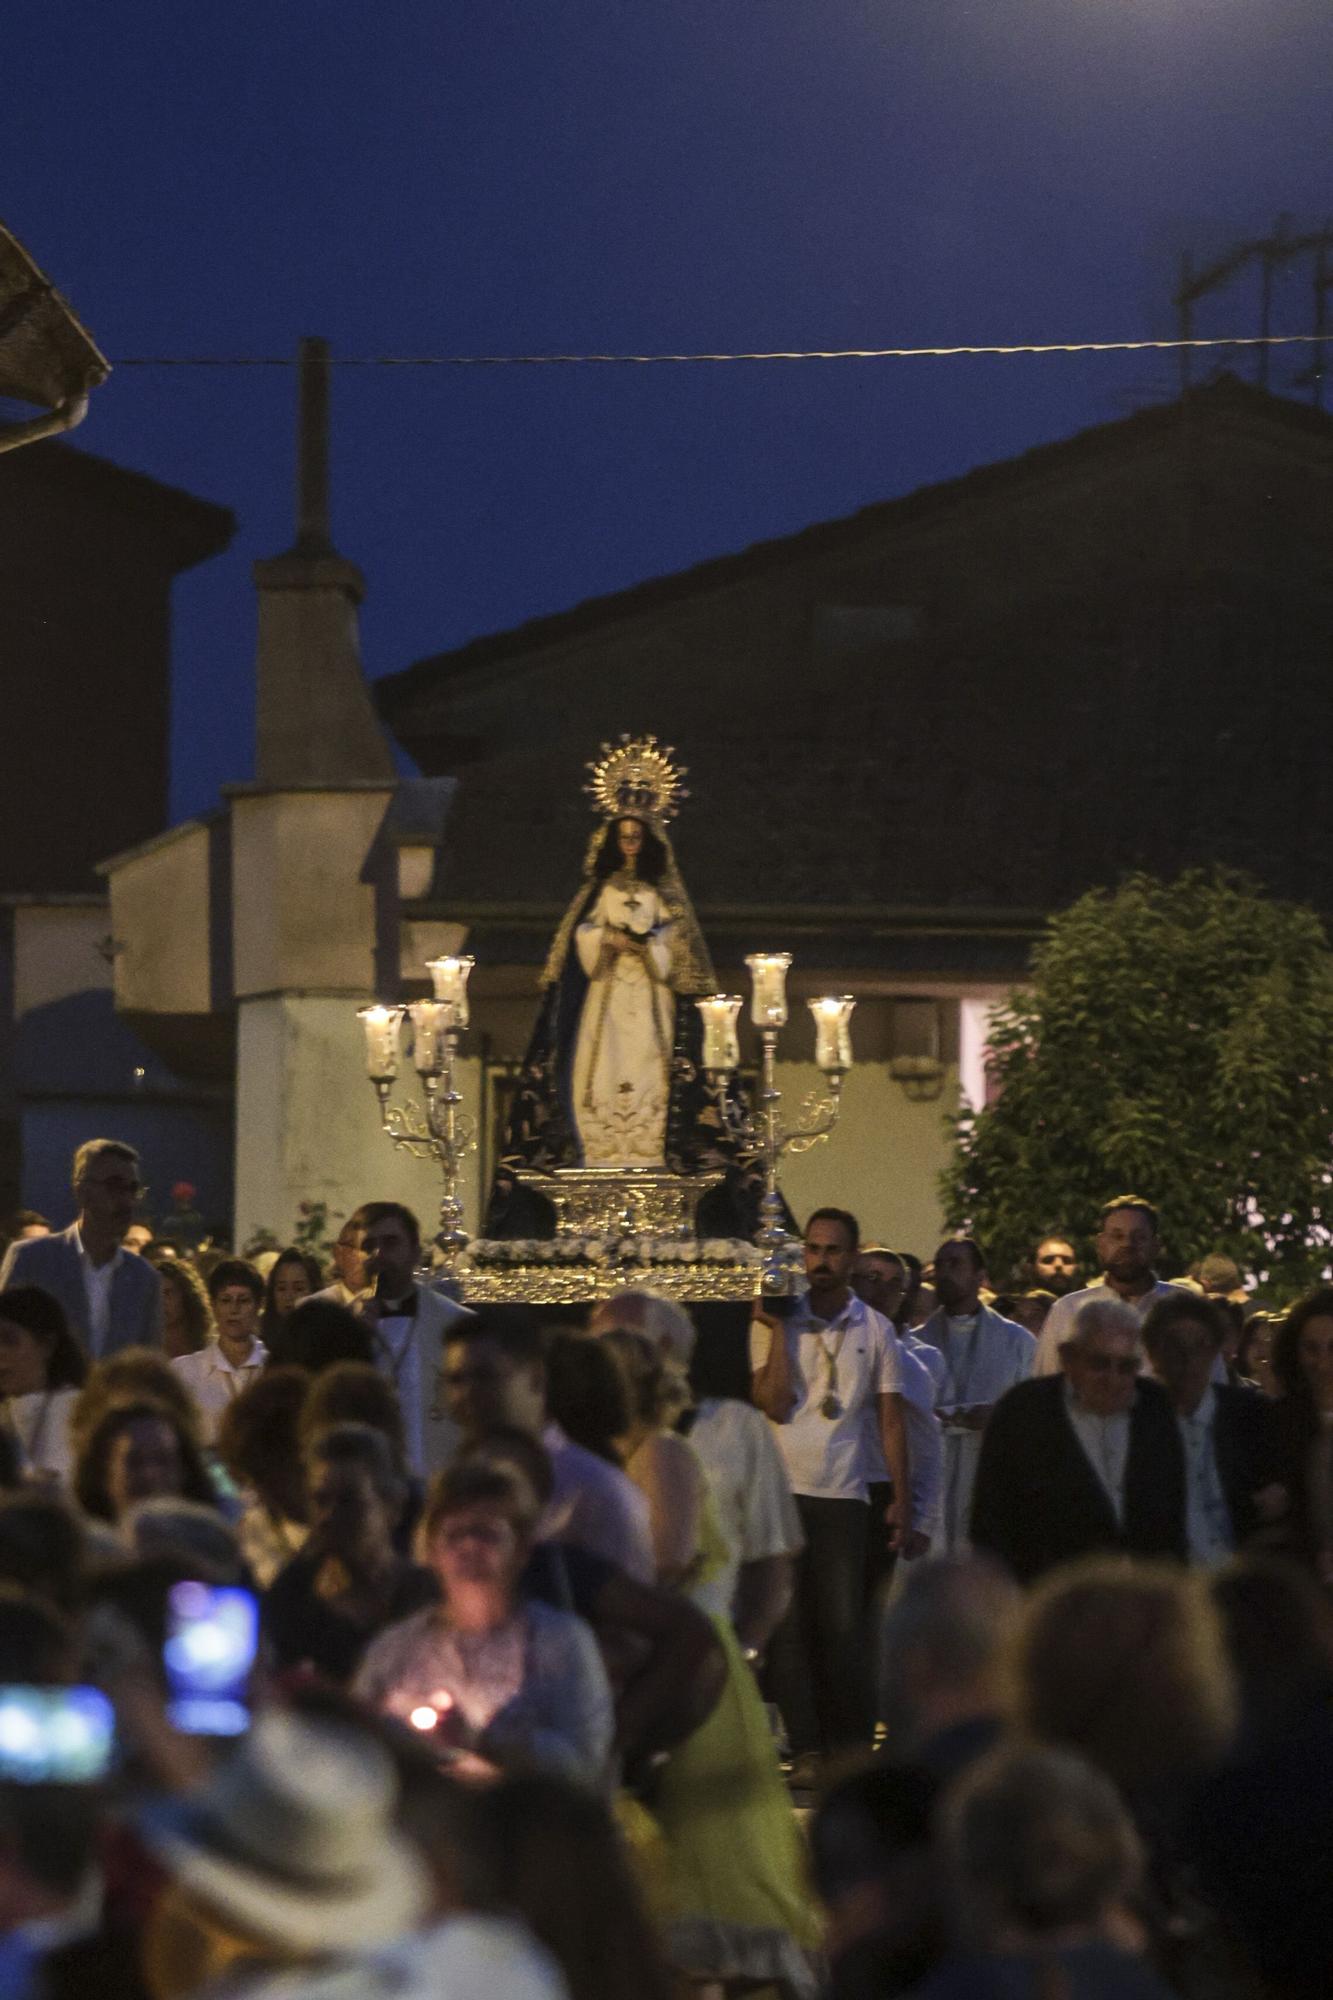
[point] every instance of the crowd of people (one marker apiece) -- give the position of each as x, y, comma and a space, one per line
927, 1631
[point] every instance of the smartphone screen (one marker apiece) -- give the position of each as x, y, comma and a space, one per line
55, 1735
212, 1633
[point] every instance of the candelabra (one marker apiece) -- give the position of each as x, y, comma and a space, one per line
432, 1128
761, 1130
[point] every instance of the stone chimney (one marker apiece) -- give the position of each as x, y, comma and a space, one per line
316, 724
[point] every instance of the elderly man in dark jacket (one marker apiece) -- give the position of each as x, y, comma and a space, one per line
1086, 1461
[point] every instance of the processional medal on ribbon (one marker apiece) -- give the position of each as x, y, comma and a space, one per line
832, 1406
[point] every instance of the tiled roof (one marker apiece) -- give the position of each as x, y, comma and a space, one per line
396, 694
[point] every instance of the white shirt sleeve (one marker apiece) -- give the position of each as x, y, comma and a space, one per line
1059, 1325
771, 1524
889, 1374
926, 1444
760, 1336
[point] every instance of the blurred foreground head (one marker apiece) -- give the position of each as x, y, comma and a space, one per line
1125, 1663
942, 1644
1036, 1844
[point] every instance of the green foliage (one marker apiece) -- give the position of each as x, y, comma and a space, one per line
1176, 1040
312, 1234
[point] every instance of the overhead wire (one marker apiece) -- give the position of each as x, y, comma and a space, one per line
1004, 349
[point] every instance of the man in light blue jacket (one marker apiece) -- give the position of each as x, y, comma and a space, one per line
983, 1356
112, 1299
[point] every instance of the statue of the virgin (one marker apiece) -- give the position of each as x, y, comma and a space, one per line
611, 1075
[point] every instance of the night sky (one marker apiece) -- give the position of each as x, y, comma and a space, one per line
461, 176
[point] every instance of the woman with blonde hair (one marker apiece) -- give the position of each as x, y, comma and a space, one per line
740, 1911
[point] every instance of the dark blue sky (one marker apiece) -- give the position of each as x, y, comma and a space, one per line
435, 176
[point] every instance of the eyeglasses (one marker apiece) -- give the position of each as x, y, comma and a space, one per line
491, 1534
1110, 1364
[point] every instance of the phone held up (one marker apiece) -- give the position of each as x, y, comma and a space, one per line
55, 1735
208, 1657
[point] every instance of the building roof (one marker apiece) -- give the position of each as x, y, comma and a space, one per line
46, 355
1225, 398
913, 732
53, 479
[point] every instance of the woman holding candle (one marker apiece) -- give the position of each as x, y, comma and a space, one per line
491, 1679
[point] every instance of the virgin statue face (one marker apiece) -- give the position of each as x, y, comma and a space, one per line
629, 837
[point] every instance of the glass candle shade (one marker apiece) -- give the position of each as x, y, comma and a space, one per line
768, 998
722, 1050
430, 1018
381, 1025
832, 1015
450, 976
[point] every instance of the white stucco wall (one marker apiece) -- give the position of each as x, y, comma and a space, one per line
56, 954
881, 1161
160, 916
307, 1120
302, 919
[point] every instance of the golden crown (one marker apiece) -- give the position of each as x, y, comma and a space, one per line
636, 778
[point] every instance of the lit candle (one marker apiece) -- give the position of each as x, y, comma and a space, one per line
450, 976
722, 1050
768, 1000
429, 1021
833, 1031
381, 1025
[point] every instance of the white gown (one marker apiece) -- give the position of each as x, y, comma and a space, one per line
622, 1054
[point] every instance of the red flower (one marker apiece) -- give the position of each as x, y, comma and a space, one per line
183, 1193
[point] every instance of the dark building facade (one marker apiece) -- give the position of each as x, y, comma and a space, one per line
88, 554
915, 732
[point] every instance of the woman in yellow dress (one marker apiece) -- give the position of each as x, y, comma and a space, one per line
740, 1911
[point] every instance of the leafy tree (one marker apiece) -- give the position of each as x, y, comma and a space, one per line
1176, 1040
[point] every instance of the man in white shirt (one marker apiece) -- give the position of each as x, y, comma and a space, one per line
409, 1324
225, 1367
818, 1373
983, 1355
350, 1285
879, 1278
494, 1375
111, 1299
1127, 1248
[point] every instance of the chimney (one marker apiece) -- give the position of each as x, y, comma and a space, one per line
315, 723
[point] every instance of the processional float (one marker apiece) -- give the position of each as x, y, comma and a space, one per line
636, 1153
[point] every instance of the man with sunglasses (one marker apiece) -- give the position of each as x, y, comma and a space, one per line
1086, 1461
111, 1298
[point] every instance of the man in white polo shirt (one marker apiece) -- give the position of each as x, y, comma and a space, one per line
818, 1372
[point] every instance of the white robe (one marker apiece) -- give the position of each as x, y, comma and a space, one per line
622, 1054
978, 1368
